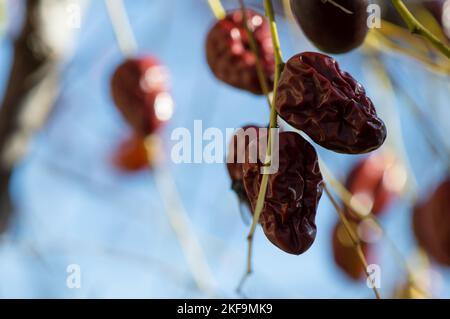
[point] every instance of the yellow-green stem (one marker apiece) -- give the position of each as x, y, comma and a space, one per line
418, 28
217, 9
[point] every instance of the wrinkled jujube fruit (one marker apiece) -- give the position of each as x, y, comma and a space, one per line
139, 89
293, 193
345, 254
331, 28
329, 105
132, 155
375, 181
229, 53
236, 158
432, 223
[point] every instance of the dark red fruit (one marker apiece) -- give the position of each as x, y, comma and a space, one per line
236, 157
331, 28
376, 181
345, 254
329, 105
229, 54
132, 155
432, 223
293, 193
139, 89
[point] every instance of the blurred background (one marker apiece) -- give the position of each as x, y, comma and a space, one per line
73, 206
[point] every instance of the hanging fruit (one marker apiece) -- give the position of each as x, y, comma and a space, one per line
139, 88
293, 193
229, 53
375, 182
236, 158
431, 221
345, 254
336, 26
132, 155
329, 105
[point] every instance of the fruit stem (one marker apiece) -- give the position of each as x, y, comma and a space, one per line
255, 50
122, 27
273, 125
354, 238
418, 28
217, 9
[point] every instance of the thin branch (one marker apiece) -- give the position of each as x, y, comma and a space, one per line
217, 9
418, 28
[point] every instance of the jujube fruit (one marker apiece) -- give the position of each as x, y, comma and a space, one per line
331, 28
229, 53
293, 193
329, 105
139, 88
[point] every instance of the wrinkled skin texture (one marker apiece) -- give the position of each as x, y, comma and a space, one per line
229, 54
329, 105
235, 169
293, 193
371, 180
431, 223
135, 87
345, 255
330, 28
131, 155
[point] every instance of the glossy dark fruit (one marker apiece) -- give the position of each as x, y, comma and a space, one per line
376, 181
293, 193
432, 223
137, 87
345, 254
132, 155
229, 53
329, 105
329, 27
236, 157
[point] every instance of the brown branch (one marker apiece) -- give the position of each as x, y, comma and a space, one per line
30, 93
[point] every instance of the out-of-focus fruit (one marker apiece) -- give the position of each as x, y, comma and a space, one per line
329, 105
375, 181
431, 223
139, 88
336, 27
229, 53
131, 155
345, 254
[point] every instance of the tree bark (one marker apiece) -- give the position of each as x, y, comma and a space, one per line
31, 90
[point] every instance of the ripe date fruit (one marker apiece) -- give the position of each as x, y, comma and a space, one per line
293, 193
132, 155
236, 158
229, 54
375, 182
329, 26
329, 105
139, 90
431, 223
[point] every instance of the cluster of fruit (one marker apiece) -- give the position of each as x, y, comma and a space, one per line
313, 95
